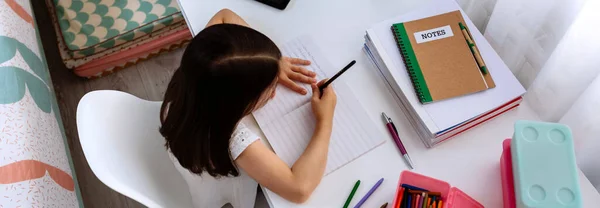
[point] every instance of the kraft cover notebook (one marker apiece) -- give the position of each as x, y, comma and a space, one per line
440, 59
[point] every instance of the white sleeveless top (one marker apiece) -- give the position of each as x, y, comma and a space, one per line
207, 191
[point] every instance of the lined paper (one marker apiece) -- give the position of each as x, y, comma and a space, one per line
287, 100
288, 121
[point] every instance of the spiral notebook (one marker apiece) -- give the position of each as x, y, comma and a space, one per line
438, 58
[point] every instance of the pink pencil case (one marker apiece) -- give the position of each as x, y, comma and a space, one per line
506, 172
452, 196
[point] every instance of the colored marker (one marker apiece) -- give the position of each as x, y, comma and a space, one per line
399, 197
364, 199
352, 194
412, 187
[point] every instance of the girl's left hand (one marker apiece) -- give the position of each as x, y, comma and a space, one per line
291, 70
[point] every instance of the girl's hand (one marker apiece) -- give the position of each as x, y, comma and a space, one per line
323, 105
290, 70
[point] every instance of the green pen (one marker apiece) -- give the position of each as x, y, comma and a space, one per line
473, 48
352, 194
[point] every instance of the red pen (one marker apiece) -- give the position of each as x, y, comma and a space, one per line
394, 132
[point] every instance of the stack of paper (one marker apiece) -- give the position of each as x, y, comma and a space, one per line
438, 121
288, 121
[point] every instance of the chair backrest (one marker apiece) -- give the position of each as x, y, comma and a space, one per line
120, 139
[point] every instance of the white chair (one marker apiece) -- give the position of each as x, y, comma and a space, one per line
120, 139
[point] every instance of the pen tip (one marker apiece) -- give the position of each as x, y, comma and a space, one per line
409, 162
385, 117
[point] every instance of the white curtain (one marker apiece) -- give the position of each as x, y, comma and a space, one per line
553, 48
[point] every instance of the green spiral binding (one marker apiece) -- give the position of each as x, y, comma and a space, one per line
412, 65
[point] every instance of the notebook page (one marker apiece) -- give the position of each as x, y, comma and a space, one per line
297, 128
353, 135
285, 99
288, 121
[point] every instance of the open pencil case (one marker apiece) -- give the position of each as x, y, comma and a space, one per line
452, 197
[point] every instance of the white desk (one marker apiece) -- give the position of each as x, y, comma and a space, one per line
469, 161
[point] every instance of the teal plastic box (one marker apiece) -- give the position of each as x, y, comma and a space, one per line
544, 167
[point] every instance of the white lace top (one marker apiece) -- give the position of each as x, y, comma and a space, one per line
241, 138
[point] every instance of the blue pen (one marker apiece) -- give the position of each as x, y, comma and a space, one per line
364, 199
409, 201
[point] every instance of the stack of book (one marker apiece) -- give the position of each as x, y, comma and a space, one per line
446, 77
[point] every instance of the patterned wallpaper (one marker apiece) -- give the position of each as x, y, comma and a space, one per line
35, 169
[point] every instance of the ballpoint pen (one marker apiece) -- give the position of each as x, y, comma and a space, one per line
394, 132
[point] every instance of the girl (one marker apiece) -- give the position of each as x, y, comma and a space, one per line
228, 71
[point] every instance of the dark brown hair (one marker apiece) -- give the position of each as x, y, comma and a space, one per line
224, 72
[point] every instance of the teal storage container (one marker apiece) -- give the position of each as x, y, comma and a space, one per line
544, 167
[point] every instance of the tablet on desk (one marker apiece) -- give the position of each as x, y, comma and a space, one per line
279, 4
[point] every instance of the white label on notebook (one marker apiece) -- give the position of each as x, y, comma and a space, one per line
433, 34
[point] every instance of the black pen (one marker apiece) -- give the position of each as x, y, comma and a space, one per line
336, 76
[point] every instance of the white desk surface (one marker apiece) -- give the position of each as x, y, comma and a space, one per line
469, 161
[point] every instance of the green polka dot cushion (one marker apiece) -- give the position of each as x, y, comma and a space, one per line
89, 27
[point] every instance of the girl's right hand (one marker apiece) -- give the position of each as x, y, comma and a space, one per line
323, 106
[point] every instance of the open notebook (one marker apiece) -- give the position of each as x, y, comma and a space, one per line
288, 121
